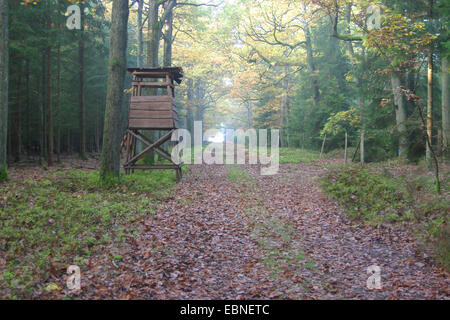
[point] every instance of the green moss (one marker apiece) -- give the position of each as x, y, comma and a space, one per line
371, 197
376, 196
113, 63
67, 216
240, 176
3, 174
109, 179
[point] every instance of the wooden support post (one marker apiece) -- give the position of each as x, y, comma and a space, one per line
179, 174
346, 145
133, 156
356, 150
323, 145
128, 151
361, 148
150, 148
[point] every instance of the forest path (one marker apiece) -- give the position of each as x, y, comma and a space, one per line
229, 233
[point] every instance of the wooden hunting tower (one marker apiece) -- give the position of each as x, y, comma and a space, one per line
152, 107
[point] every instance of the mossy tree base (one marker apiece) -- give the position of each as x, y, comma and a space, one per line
3, 174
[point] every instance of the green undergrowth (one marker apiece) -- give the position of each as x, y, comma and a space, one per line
275, 235
3, 174
275, 238
375, 196
291, 155
238, 175
64, 217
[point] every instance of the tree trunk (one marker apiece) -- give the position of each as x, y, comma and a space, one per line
69, 142
357, 84
153, 34
97, 131
190, 104
28, 108
249, 105
49, 98
199, 96
168, 39
43, 127
18, 150
311, 67
323, 145
284, 108
430, 110
110, 158
400, 113
140, 60
3, 88
153, 54
346, 147
445, 111
429, 151
361, 147
81, 92
58, 99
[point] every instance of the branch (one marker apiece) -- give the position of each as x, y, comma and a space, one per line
335, 27
413, 98
255, 36
200, 4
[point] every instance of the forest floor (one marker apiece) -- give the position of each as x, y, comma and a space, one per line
226, 232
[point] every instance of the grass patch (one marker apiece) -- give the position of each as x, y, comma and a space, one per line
291, 155
64, 217
340, 154
376, 196
239, 176
370, 197
274, 237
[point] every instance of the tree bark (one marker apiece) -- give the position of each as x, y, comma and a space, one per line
346, 147
428, 157
168, 39
429, 151
362, 147
3, 88
284, 108
400, 113
323, 145
110, 158
140, 60
58, 101
190, 104
81, 92
43, 112
18, 147
153, 34
445, 110
28, 107
49, 96
357, 84
311, 67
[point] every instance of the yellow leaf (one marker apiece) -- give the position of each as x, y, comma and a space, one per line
52, 287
